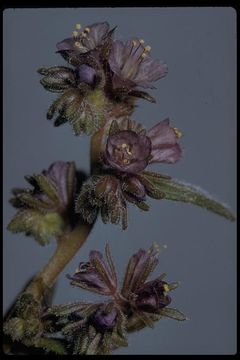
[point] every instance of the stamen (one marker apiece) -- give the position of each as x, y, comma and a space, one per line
147, 48
87, 30
137, 48
166, 288
78, 26
77, 44
133, 45
177, 132
141, 41
124, 146
126, 161
75, 34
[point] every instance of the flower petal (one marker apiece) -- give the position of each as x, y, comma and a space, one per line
57, 173
167, 154
86, 74
66, 44
162, 134
98, 32
150, 70
139, 268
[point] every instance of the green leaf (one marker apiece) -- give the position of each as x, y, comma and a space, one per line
180, 191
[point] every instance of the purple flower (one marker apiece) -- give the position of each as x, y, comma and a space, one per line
141, 265
83, 41
96, 275
104, 318
152, 297
164, 141
130, 152
132, 66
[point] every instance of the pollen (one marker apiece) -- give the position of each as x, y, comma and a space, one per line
177, 132
78, 26
77, 44
147, 48
87, 29
141, 41
75, 34
166, 288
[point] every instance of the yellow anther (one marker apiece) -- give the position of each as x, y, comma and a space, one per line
124, 146
143, 55
147, 48
166, 288
177, 132
141, 41
75, 33
78, 26
77, 44
87, 29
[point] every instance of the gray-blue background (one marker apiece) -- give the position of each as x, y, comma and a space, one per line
199, 96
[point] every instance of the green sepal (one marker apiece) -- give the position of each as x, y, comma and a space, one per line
47, 187
52, 345
172, 313
41, 226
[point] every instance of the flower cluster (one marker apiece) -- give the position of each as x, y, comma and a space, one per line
98, 328
127, 151
48, 209
104, 79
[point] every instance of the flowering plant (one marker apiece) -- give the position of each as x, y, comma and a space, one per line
98, 91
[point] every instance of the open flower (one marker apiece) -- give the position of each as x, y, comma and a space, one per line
132, 66
91, 38
48, 209
129, 149
152, 297
147, 298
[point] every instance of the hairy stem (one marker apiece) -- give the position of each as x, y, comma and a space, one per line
97, 146
67, 247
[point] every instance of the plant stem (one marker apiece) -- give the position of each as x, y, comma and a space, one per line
67, 247
97, 145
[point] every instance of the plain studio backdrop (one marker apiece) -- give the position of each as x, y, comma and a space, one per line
199, 97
